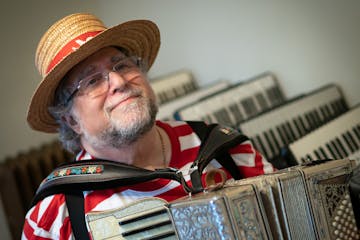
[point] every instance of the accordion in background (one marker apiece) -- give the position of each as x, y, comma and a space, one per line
339, 138
174, 85
302, 202
272, 131
168, 109
235, 103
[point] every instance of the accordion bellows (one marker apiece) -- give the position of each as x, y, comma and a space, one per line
302, 202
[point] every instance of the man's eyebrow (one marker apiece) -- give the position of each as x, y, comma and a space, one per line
89, 69
117, 58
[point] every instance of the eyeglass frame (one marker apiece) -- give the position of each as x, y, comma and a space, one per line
137, 61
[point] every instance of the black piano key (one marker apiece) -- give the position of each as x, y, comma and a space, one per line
329, 113
191, 86
262, 102
287, 132
286, 135
281, 134
338, 107
309, 121
313, 120
336, 149
317, 118
249, 106
334, 109
260, 145
299, 126
317, 154
324, 114
268, 152
165, 97
356, 130
270, 143
353, 140
271, 96
331, 151
348, 142
291, 131
308, 158
275, 95
303, 125
177, 92
236, 113
343, 105
295, 129
323, 153
342, 148
277, 144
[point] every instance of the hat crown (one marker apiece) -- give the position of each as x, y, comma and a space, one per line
64, 37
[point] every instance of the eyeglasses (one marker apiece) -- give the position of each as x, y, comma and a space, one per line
97, 84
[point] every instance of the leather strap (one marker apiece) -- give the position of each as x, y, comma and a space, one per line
75, 205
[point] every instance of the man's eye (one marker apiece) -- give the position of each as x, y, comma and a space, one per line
93, 81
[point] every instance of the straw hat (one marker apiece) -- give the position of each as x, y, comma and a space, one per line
71, 40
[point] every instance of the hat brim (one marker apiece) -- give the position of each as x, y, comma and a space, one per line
139, 37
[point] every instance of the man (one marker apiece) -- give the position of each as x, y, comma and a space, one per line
95, 93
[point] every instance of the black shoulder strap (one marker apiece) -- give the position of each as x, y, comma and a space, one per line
216, 140
75, 205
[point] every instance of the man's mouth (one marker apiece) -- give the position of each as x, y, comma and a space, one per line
124, 100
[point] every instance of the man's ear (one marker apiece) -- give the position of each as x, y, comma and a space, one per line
71, 122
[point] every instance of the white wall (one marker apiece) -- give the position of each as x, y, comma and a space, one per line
305, 43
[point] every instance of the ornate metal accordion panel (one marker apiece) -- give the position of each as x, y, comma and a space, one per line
302, 202
231, 213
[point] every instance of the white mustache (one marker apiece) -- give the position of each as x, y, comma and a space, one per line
128, 93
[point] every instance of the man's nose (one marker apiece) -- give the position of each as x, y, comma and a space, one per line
117, 82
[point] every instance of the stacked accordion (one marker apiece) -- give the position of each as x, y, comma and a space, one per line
318, 124
301, 202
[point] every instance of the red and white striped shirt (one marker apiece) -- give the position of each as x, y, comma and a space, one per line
49, 218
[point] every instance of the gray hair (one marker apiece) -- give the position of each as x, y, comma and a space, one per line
67, 136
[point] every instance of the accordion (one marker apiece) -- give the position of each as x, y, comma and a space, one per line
302, 202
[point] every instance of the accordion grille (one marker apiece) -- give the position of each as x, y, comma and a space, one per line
150, 225
295, 209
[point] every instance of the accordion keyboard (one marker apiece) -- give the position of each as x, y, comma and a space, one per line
273, 130
168, 109
236, 103
337, 139
174, 85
